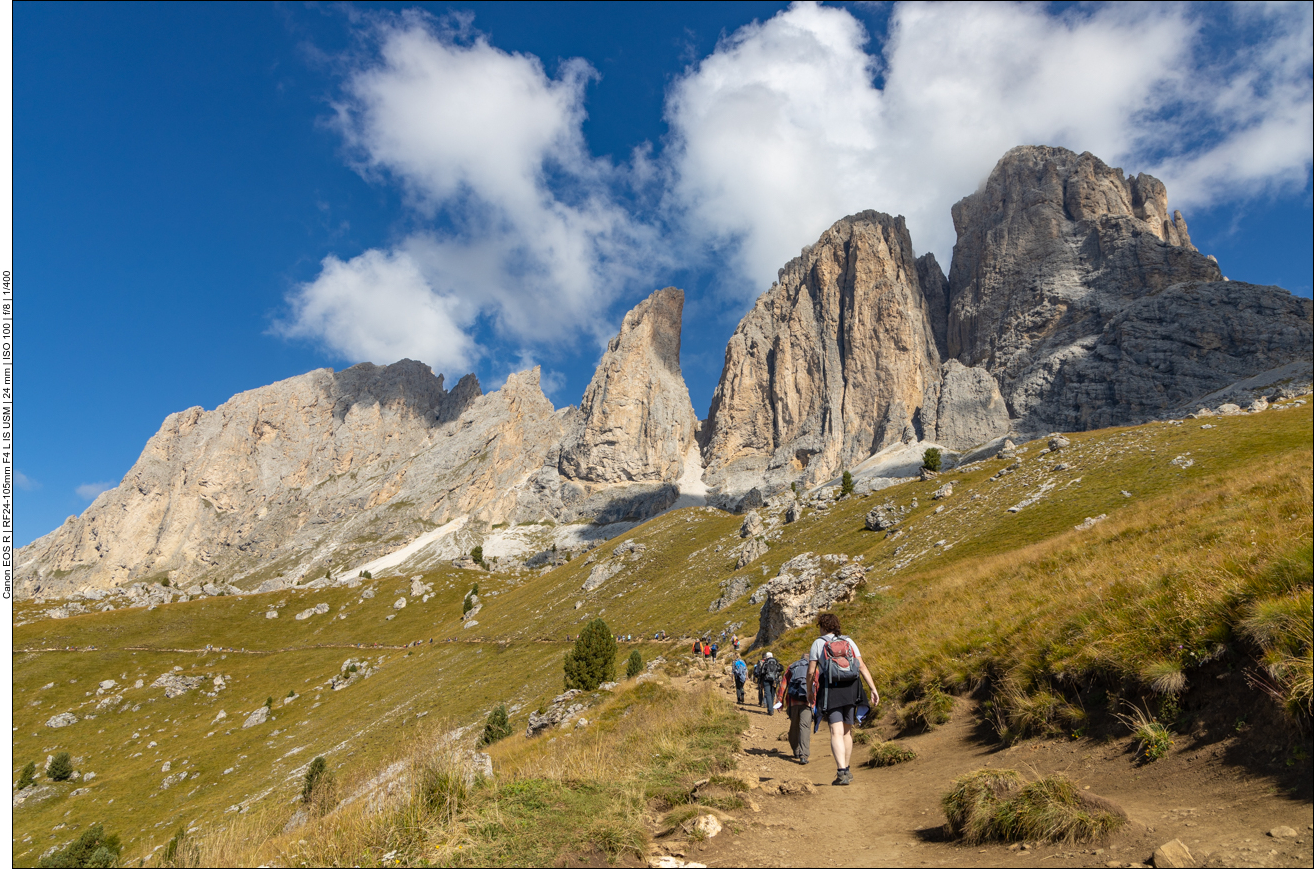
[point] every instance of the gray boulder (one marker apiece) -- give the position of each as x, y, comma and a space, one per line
749, 551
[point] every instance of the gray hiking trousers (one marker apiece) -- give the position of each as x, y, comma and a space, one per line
800, 730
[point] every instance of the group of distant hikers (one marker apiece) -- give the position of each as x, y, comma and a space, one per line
709, 649
825, 684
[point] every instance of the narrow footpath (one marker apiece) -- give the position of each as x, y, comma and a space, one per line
891, 816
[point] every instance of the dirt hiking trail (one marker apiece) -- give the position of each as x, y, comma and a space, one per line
891, 816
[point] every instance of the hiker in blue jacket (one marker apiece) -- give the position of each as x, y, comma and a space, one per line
835, 689
740, 670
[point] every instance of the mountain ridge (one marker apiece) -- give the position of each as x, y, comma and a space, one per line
1073, 301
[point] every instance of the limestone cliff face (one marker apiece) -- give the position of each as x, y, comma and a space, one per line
832, 363
319, 470
636, 422
1057, 261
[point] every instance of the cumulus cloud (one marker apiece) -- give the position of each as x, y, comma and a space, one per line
791, 123
524, 225
527, 241
24, 482
89, 491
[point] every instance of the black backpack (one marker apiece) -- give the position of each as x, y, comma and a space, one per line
771, 669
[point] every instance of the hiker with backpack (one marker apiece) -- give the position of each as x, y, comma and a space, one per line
697, 649
836, 673
715, 648
740, 670
794, 696
771, 672
757, 679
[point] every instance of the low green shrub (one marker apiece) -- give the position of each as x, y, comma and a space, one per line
593, 660
27, 777
931, 459
318, 779
633, 664
93, 848
61, 767
497, 727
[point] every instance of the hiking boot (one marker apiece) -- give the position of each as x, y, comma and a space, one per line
839, 780
847, 776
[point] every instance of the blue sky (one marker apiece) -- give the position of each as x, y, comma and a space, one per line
210, 198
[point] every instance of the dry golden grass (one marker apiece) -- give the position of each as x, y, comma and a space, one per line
1144, 597
572, 792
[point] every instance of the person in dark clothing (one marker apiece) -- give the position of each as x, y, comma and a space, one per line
715, 648
771, 671
794, 695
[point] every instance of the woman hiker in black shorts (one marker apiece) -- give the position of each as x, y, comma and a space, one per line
841, 702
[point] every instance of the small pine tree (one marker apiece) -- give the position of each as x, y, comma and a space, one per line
27, 776
165, 582
474, 590
634, 665
496, 727
365, 574
92, 848
269, 702
477, 554
61, 767
467, 605
846, 484
931, 459
593, 660
317, 775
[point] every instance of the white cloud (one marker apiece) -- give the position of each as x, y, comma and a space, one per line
24, 482
525, 227
527, 239
782, 130
89, 491
378, 306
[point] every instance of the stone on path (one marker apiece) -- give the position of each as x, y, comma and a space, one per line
1173, 854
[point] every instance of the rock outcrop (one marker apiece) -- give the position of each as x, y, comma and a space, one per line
801, 590
830, 365
1074, 287
636, 423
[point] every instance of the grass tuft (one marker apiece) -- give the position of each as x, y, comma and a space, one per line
1152, 737
1001, 805
888, 754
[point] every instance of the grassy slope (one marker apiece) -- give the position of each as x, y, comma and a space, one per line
1019, 597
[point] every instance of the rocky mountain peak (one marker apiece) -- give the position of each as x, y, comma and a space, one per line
830, 365
635, 422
